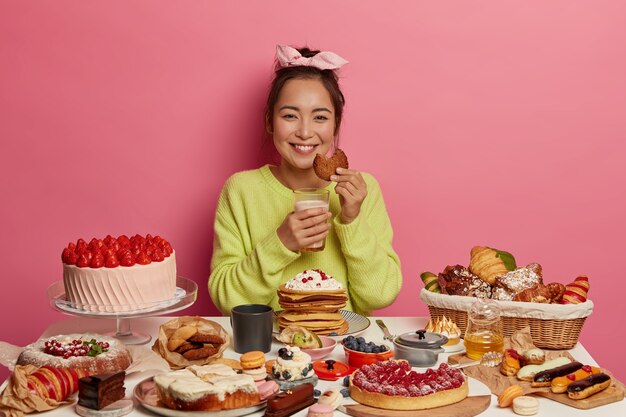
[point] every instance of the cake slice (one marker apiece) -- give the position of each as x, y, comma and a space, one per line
98, 391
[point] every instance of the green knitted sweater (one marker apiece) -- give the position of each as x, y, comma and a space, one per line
250, 262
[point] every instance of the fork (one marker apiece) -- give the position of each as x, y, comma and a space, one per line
388, 336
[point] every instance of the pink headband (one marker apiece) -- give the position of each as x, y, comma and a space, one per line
290, 57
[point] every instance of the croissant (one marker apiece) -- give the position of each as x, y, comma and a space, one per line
556, 291
54, 383
576, 292
490, 263
538, 293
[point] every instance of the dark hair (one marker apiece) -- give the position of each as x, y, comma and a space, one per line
327, 77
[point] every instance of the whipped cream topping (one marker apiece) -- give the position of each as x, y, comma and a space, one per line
197, 381
313, 280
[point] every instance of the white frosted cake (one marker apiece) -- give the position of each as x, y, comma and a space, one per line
206, 388
119, 274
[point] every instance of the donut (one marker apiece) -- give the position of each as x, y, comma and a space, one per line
325, 167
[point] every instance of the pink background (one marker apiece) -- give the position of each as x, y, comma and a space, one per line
493, 123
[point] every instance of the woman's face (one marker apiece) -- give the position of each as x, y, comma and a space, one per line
304, 122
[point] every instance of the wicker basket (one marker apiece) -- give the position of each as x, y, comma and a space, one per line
552, 326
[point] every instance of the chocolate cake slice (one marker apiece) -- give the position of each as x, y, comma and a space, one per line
98, 391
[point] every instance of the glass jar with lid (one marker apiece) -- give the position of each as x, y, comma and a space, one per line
484, 329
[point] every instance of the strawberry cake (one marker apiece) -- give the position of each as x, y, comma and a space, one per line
393, 385
119, 274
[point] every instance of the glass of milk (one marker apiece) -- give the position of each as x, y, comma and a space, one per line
306, 198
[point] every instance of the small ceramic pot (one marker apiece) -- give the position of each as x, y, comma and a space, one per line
420, 348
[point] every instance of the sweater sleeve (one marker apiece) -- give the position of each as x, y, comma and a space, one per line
374, 274
240, 273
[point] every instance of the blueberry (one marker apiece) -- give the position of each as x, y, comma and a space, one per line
286, 375
383, 348
282, 351
348, 339
333, 334
375, 349
317, 393
277, 375
346, 381
305, 371
367, 349
345, 392
360, 340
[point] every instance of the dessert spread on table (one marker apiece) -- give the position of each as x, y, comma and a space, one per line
312, 299
119, 274
51, 370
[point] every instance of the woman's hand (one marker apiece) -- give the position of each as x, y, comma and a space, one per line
304, 228
352, 190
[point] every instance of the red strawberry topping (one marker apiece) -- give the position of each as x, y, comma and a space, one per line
111, 262
65, 255
112, 252
97, 261
83, 260
143, 259
72, 259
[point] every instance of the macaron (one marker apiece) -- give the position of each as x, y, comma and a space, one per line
266, 389
320, 410
331, 397
258, 374
269, 365
525, 405
253, 359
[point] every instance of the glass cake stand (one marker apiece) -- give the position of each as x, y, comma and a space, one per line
185, 295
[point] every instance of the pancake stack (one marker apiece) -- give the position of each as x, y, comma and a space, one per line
312, 300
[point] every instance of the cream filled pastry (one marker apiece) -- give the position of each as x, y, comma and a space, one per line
292, 364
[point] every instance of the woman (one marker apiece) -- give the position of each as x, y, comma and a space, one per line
258, 236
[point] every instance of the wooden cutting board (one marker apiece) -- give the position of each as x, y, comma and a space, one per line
612, 394
469, 407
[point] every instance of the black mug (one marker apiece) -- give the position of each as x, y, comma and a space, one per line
252, 327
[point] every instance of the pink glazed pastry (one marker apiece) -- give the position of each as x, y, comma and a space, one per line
266, 389
320, 410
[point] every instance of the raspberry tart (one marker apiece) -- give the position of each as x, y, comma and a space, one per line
119, 274
92, 353
393, 385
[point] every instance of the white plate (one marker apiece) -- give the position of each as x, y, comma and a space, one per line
145, 393
454, 348
357, 324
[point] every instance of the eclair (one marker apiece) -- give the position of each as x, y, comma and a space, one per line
528, 372
289, 402
588, 386
560, 384
544, 378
